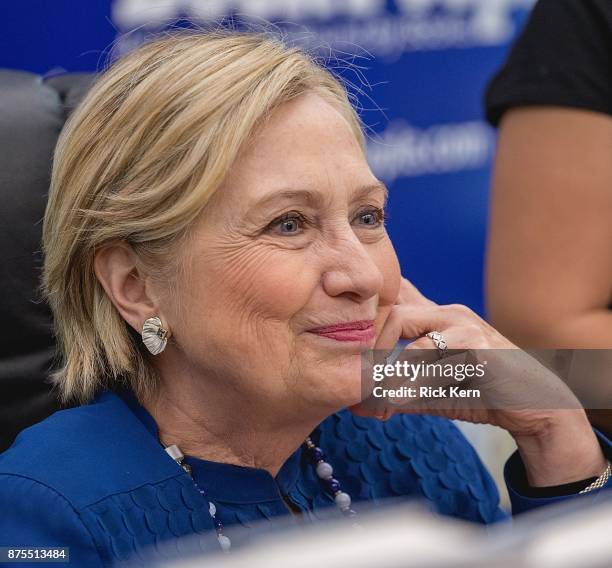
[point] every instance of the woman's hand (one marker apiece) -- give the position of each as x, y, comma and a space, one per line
557, 446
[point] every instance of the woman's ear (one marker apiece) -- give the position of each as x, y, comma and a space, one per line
118, 271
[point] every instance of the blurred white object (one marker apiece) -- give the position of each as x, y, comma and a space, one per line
582, 538
563, 536
388, 538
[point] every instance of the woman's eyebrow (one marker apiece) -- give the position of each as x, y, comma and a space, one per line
312, 197
365, 190
305, 195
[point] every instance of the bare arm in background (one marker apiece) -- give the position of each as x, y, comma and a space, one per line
549, 258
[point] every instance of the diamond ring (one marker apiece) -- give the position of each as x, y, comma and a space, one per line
438, 341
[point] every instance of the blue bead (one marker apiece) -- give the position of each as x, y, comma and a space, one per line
333, 484
317, 454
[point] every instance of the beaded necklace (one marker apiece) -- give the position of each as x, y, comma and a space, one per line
323, 469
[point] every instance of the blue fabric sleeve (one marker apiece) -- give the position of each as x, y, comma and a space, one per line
496, 513
34, 515
520, 503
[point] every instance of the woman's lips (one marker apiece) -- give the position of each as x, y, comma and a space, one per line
361, 331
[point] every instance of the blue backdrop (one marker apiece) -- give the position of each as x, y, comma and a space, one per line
426, 63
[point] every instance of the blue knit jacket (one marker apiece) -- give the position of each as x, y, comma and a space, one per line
96, 479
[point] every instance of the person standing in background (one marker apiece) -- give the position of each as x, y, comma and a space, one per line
549, 257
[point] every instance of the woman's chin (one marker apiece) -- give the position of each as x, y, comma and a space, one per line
339, 387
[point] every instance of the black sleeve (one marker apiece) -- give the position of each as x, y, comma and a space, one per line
521, 485
516, 472
562, 58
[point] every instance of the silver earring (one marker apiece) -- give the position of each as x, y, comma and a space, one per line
154, 336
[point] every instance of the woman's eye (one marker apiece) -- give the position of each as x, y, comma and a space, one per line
371, 217
288, 224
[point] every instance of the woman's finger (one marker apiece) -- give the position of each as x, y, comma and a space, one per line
409, 294
411, 322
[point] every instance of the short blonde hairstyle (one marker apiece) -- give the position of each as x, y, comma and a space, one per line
137, 162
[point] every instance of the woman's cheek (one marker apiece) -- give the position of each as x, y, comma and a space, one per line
283, 286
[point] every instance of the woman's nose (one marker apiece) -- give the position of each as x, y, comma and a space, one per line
350, 269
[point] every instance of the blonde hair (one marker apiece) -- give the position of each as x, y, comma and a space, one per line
137, 162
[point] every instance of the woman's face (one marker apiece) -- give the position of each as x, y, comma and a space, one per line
292, 245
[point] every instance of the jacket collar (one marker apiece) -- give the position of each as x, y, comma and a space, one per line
226, 482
